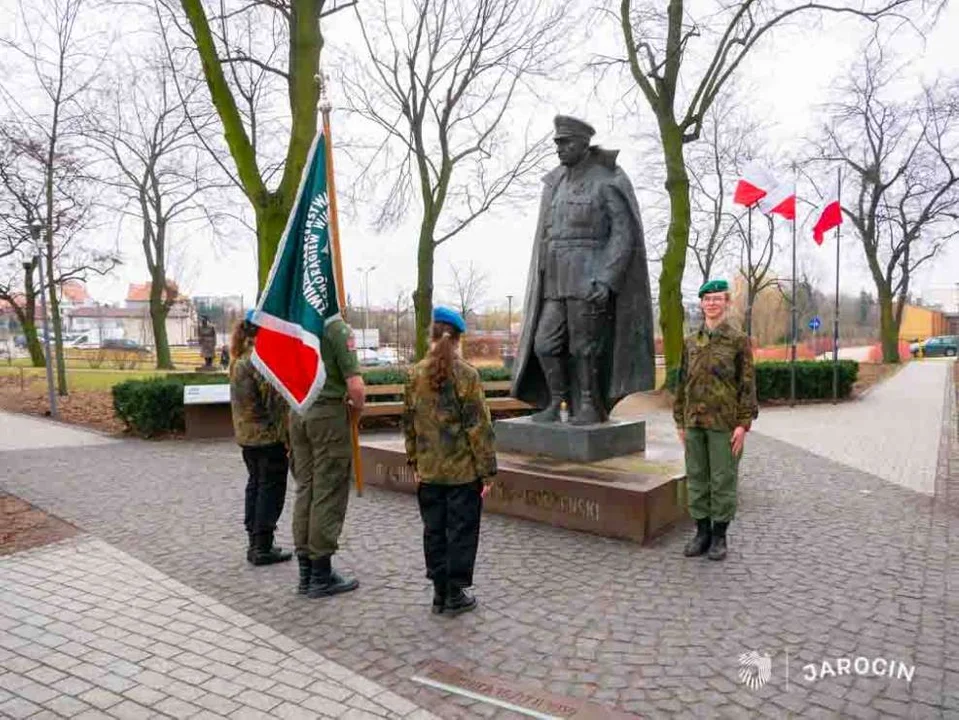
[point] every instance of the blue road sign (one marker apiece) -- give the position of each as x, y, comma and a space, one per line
815, 323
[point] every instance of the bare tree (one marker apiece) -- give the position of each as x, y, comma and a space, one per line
469, 287
250, 56
755, 261
900, 159
162, 175
63, 62
441, 79
659, 42
712, 166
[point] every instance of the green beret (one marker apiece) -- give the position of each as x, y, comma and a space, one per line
713, 286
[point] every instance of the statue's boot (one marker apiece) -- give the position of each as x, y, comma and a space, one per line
555, 371
589, 411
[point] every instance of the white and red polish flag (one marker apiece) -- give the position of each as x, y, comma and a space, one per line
781, 200
829, 214
753, 185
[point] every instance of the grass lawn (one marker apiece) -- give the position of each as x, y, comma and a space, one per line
80, 379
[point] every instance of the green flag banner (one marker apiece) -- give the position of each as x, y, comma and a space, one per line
300, 296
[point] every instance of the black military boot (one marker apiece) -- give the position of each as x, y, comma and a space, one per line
717, 550
555, 371
458, 601
265, 553
699, 544
251, 548
306, 566
589, 410
325, 581
439, 596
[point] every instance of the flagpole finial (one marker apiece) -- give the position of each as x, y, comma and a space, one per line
323, 81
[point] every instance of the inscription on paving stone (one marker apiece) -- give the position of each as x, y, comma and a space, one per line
493, 689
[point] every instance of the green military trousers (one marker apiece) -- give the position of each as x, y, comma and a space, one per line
322, 470
711, 473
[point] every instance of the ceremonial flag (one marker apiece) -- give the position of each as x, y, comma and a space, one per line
829, 215
754, 184
781, 200
300, 296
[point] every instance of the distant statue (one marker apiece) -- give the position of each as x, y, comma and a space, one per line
206, 334
587, 337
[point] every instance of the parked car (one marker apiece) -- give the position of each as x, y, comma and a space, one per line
124, 344
939, 346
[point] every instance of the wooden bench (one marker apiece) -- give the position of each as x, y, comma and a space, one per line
206, 408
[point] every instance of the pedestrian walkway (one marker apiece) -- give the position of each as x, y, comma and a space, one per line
87, 631
21, 432
893, 432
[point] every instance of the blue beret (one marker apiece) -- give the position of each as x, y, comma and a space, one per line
249, 316
713, 286
450, 317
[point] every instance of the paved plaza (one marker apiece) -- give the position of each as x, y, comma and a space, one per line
829, 562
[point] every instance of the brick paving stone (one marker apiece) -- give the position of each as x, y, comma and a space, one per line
667, 628
129, 710
100, 698
176, 708
18, 708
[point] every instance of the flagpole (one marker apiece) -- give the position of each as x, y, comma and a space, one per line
792, 356
835, 331
325, 107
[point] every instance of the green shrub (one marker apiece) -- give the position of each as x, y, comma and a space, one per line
150, 407
813, 379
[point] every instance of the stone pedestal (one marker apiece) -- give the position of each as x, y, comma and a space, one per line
633, 497
564, 441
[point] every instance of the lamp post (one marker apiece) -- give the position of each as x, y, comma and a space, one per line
35, 228
509, 324
366, 299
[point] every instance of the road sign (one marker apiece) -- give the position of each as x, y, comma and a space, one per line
815, 323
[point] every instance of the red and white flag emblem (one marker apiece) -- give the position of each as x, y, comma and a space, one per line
829, 214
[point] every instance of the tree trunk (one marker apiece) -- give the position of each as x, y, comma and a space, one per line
677, 239
161, 342
748, 315
423, 296
888, 328
28, 320
270, 223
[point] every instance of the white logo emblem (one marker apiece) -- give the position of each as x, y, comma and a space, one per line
754, 669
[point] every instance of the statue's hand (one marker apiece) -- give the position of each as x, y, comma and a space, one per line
599, 294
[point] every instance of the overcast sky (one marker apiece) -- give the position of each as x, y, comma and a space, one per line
785, 80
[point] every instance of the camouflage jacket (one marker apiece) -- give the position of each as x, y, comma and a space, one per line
449, 435
259, 413
717, 383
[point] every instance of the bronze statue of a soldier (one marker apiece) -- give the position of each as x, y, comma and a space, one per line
587, 335
206, 334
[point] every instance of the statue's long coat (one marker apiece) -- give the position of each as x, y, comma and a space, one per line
629, 357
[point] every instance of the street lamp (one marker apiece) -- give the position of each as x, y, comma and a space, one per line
509, 325
35, 227
366, 302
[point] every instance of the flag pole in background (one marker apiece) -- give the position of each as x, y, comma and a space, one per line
325, 108
835, 331
795, 329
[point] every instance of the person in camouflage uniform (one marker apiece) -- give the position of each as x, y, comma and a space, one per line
450, 447
260, 428
323, 464
714, 409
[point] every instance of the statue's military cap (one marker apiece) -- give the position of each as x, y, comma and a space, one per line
567, 126
713, 286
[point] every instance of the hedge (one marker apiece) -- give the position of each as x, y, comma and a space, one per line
813, 379
150, 407
155, 406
